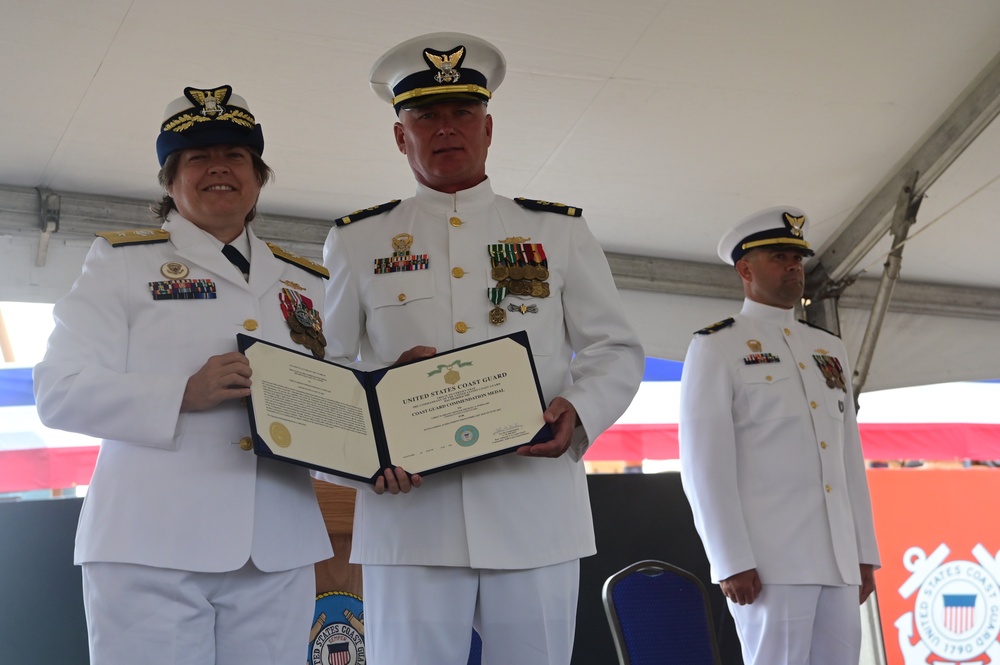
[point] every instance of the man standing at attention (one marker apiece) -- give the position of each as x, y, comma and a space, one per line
495, 544
771, 460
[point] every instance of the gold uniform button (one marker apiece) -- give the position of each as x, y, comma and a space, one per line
461, 327
812, 404
455, 221
802, 365
250, 324
828, 489
246, 443
822, 444
788, 332
458, 273
401, 297
769, 378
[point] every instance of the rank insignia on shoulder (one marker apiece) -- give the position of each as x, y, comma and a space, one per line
716, 327
548, 206
300, 261
366, 212
134, 237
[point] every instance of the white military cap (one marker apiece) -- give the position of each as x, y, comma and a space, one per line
438, 67
781, 225
207, 117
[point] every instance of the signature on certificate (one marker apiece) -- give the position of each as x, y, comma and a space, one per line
505, 429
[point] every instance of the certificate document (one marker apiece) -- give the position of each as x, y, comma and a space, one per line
454, 408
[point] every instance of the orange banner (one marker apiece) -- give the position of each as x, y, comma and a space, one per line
939, 585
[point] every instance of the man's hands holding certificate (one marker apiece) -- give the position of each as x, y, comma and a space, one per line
396, 480
561, 416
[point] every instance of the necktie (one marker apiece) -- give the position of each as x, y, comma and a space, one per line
237, 259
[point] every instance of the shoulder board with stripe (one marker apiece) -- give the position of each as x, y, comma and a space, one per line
295, 259
813, 325
366, 212
134, 237
716, 327
548, 206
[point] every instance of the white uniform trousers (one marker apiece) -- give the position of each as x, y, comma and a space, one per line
159, 616
424, 615
800, 624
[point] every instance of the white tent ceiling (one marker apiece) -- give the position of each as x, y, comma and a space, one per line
665, 120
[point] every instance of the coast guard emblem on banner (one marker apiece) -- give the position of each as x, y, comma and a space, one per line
956, 608
337, 635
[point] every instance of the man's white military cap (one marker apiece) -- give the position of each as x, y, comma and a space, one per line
774, 227
438, 67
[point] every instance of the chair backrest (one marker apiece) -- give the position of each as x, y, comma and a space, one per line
660, 614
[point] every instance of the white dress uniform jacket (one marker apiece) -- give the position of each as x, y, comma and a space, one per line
771, 458
508, 512
170, 489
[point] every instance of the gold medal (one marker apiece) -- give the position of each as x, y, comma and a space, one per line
498, 316
496, 296
500, 273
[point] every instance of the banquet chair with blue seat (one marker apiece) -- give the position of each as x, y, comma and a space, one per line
659, 614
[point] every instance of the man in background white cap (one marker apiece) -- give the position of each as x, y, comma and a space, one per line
495, 544
193, 549
771, 459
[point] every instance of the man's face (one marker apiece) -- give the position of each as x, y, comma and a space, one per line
215, 188
773, 276
446, 143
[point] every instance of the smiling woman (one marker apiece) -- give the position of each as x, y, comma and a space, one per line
144, 356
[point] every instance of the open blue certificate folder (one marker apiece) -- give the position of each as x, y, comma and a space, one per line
457, 407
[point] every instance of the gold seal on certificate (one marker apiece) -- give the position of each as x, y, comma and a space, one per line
280, 435
457, 407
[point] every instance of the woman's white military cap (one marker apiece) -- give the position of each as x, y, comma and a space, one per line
438, 67
205, 117
773, 227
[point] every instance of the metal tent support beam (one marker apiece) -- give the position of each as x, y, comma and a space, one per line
978, 105
904, 217
82, 215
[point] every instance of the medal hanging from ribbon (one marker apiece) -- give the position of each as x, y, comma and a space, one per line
304, 321
497, 315
520, 267
832, 371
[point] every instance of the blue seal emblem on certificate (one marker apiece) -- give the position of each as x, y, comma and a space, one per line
466, 435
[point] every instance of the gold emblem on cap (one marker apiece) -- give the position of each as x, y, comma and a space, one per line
280, 434
754, 345
446, 64
402, 243
211, 101
795, 223
174, 270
